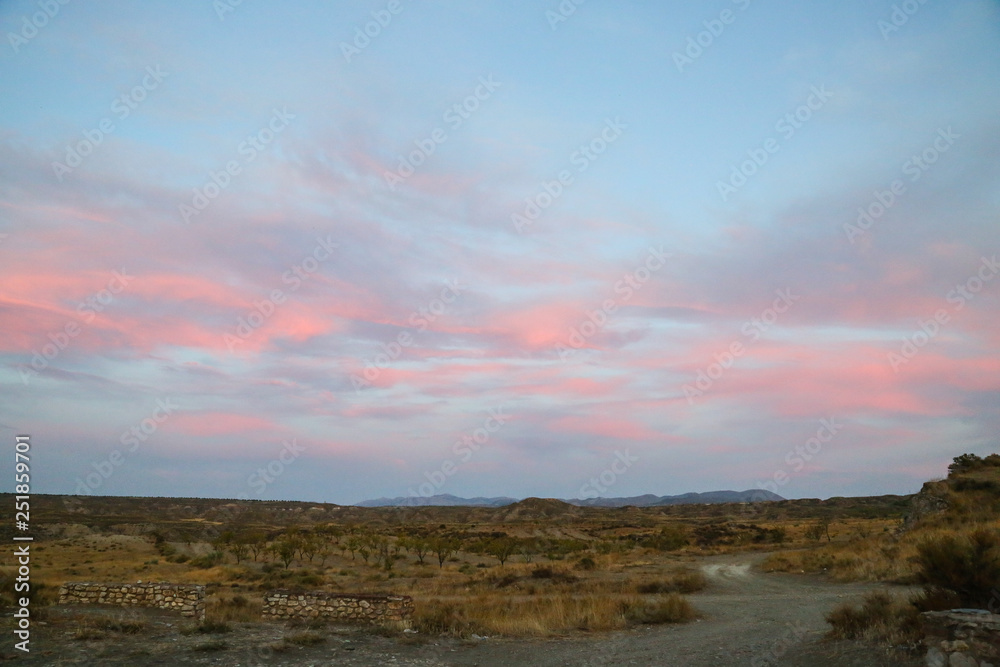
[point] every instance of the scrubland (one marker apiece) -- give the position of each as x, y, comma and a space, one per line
538, 568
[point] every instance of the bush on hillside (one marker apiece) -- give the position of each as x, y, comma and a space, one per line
967, 565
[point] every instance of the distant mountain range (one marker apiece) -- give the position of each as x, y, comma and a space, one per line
647, 500
443, 500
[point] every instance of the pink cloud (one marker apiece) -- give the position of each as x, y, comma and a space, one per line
206, 424
604, 426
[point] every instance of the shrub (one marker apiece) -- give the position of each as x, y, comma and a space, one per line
553, 574
505, 581
683, 580
963, 463
443, 618
88, 633
311, 580
687, 580
879, 618
586, 563
306, 638
936, 599
609, 546
99, 627
671, 608
208, 560
207, 628
236, 610
967, 565
669, 538
39, 594
122, 626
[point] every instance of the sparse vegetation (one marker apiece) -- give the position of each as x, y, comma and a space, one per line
670, 608
214, 645
306, 638
953, 550
208, 627
966, 564
547, 615
880, 618
951, 546
102, 627
534, 571
237, 609
683, 580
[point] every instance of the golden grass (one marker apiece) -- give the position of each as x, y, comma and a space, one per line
546, 615
880, 618
236, 609
885, 557
93, 629
679, 580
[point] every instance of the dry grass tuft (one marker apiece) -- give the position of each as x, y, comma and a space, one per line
880, 618
101, 627
546, 615
306, 638
671, 608
237, 609
681, 580
207, 627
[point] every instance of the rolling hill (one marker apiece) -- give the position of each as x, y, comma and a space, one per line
647, 500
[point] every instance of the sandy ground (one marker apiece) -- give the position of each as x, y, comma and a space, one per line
750, 618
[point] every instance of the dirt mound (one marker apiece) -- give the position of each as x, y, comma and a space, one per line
538, 508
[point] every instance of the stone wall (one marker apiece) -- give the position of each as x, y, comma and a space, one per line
189, 600
961, 638
374, 609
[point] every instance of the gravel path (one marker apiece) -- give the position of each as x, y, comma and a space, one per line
751, 619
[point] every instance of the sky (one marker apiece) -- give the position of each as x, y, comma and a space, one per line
336, 251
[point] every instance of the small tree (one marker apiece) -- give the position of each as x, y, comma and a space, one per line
331, 532
528, 549
366, 544
818, 530
963, 463
223, 542
385, 552
256, 543
419, 547
239, 548
310, 546
284, 548
352, 544
501, 548
443, 548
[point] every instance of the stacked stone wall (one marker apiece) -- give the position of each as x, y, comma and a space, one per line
188, 599
962, 638
371, 609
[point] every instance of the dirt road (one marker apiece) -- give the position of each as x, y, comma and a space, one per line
750, 619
